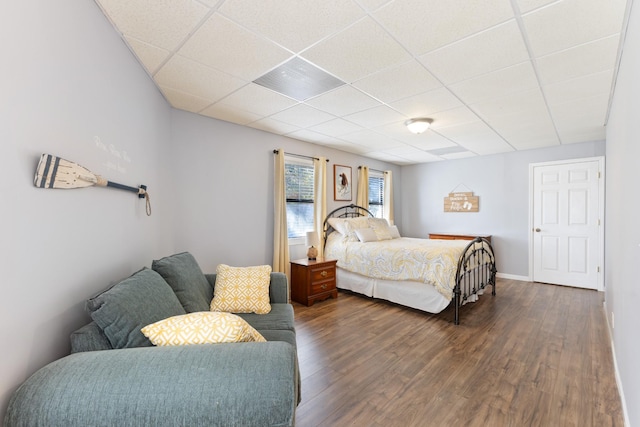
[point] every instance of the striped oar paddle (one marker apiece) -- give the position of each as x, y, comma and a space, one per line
55, 172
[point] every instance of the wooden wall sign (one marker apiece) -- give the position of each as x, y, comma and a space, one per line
462, 202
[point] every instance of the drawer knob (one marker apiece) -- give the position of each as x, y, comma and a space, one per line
324, 286
324, 273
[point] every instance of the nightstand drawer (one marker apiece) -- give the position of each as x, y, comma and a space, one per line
318, 274
320, 287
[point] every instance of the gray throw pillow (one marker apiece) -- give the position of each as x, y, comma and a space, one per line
183, 274
137, 301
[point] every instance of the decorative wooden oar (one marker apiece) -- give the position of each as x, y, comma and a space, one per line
55, 172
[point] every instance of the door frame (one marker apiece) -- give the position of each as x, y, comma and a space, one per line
601, 199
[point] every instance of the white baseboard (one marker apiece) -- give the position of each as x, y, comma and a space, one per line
615, 367
513, 277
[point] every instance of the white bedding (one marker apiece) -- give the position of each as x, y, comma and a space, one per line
422, 261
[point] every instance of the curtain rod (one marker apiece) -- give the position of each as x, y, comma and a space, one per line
299, 155
375, 170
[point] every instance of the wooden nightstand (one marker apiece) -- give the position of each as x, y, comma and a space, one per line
313, 281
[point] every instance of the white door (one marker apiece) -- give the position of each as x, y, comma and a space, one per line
567, 200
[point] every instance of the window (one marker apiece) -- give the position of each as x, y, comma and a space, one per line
299, 193
376, 194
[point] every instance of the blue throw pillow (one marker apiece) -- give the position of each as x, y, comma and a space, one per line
183, 274
137, 301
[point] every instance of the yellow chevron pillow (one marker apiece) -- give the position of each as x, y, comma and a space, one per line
202, 327
242, 289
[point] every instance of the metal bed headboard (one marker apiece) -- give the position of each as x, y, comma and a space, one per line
347, 211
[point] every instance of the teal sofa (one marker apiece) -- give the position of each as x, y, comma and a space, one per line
116, 377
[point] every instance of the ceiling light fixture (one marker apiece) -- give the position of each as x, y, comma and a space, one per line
418, 125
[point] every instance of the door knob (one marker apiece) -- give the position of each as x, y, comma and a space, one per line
537, 230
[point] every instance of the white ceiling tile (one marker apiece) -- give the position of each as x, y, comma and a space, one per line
452, 117
273, 126
376, 116
568, 23
342, 101
336, 127
387, 157
585, 113
525, 132
360, 50
455, 156
256, 57
425, 25
229, 114
184, 101
314, 137
529, 5
303, 116
164, 24
583, 87
258, 100
593, 133
517, 78
399, 82
529, 102
427, 140
150, 56
294, 24
476, 137
191, 77
371, 5
425, 104
372, 141
484, 52
581, 60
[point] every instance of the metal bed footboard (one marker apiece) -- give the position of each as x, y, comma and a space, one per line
476, 270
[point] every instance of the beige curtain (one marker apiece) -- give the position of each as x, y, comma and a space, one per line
362, 199
280, 238
387, 208
320, 202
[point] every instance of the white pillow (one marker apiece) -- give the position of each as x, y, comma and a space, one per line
393, 230
366, 235
381, 227
348, 226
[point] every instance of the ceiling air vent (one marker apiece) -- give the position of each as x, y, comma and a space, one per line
299, 79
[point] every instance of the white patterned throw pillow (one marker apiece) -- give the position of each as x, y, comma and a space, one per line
202, 327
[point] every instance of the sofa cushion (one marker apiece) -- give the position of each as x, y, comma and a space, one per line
124, 309
279, 335
204, 327
281, 317
242, 289
183, 274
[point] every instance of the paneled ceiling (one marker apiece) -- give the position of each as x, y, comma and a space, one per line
494, 75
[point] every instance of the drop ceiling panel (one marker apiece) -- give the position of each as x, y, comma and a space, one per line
196, 79
482, 53
582, 87
277, 127
581, 60
452, 117
229, 114
371, 141
163, 24
336, 127
184, 101
258, 100
398, 82
302, 116
150, 56
425, 104
529, 5
425, 25
565, 24
343, 101
256, 57
476, 137
362, 49
377, 116
514, 79
294, 24
524, 132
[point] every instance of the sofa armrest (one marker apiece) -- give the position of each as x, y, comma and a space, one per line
278, 289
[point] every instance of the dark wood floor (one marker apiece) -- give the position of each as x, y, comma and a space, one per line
533, 355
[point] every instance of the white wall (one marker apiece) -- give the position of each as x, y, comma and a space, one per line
223, 177
502, 183
65, 78
622, 238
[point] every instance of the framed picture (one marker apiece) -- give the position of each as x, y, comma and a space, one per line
342, 182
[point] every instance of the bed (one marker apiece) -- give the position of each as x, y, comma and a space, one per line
425, 274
